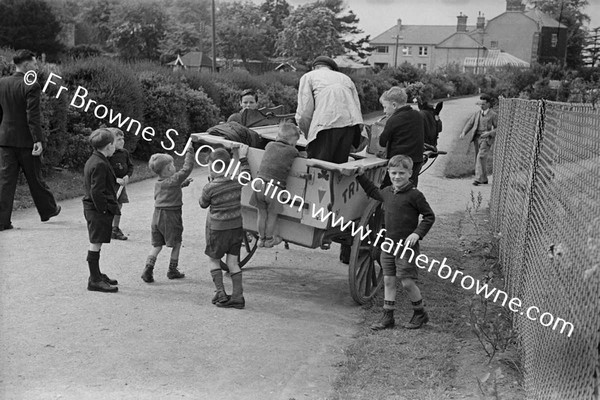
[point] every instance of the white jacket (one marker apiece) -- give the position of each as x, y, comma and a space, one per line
326, 99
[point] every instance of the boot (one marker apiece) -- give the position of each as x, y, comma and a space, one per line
386, 322
418, 319
148, 275
220, 296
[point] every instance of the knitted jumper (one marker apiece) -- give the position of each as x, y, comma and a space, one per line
224, 197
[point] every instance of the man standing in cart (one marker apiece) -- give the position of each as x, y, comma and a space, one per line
329, 112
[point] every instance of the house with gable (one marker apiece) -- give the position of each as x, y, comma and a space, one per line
517, 37
194, 60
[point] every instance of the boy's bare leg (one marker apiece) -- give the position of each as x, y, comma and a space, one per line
420, 316
173, 272
271, 224
262, 222
117, 218
216, 273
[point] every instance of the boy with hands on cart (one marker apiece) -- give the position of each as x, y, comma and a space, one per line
402, 204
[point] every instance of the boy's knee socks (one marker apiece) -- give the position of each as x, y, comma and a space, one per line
236, 280
173, 263
150, 261
418, 306
93, 259
389, 305
217, 277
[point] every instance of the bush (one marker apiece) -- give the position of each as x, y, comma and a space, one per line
169, 104
279, 94
367, 94
110, 83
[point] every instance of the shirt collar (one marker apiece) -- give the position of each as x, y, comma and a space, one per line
484, 112
404, 188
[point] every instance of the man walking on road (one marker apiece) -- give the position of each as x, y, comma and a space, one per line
21, 141
481, 127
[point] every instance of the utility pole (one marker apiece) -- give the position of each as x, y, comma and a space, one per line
214, 38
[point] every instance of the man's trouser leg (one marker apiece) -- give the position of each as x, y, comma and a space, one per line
42, 197
480, 163
9, 172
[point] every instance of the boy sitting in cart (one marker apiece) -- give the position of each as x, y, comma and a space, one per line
402, 203
275, 167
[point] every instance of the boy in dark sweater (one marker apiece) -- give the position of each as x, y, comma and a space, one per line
224, 230
402, 204
123, 167
99, 205
404, 131
167, 223
275, 166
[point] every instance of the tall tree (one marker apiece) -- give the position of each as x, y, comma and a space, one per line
275, 11
29, 24
95, 20
138, 30
309, 32
242, 31
346, 23
188, 28
569, 13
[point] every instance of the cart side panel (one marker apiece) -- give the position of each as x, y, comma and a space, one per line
348, 197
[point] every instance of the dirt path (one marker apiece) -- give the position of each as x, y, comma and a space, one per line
166, 340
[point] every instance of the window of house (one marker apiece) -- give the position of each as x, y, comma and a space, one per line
554, 40
406, 50
422, 66
382, 49
494, 44
381, 65
423, 50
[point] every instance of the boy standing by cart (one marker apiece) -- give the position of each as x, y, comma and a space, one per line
224, 229
167, 223
99, 206
402, 204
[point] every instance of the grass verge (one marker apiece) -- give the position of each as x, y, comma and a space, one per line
461, 160
443, 360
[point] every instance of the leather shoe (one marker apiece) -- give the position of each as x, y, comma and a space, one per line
54, 214
6, 227
238, 303
106, 279
101, 286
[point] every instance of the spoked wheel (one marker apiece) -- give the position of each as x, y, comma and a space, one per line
249, 245
365, 272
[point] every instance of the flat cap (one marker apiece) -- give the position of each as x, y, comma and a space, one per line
324, 60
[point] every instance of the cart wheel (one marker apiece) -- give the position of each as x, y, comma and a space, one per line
365, 272
249, 245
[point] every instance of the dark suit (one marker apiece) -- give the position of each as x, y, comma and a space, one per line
20, 128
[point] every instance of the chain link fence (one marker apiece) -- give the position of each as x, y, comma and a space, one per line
546, 210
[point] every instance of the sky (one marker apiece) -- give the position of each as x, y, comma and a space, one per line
376, 16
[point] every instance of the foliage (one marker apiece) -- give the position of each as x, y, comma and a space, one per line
242, 32
309, 32
138, 30
84, 51
569, 13
95, 20
188, 28
276, 11
170, 104
110, 83
345, 23
29, 24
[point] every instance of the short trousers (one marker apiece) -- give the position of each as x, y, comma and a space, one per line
99, 226
166, 227
398, 266
219, 243
123, 198
262, 202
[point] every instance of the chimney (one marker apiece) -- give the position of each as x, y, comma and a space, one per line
515, 5
461, 25
480, 22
